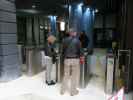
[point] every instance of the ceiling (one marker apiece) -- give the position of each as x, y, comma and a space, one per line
57, 6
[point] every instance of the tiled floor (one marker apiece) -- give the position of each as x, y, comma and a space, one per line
34, 88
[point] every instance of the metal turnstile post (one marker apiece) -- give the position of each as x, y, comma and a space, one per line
33, 61
84, 70
58, 68
110, 73
123, 70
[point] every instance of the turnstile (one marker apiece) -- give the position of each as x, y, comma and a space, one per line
58, 63
123, 70
33, 61
110, 68
84, 69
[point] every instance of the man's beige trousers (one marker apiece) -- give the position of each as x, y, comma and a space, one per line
72, 72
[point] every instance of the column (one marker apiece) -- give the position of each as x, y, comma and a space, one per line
82, 19
76, 17
9, 60
36, 27
87, 24
29, 39
53, 24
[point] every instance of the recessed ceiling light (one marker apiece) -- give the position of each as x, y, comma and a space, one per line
96, 10
41, 27
80, 5
33, 6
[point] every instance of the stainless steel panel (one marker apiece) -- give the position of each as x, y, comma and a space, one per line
29, 31
36, 29
33, 61
110, 74
84, 73
58, 63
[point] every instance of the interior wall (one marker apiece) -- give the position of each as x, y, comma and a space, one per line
125, 23
105, 30
110, 21
129, 35
98, 59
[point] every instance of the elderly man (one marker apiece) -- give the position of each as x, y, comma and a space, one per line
71, 52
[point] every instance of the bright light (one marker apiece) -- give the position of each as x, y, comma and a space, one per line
79, 8
80, 5
46, 27
70, 7
41, 27
96, 10
88, 9
62, 26
52, 17
32, 11
33, 6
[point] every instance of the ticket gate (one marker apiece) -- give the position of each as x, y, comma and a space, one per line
33, 61
58, 63
84, 69
110, 73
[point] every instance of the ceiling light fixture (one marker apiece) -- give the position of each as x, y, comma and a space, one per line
88, 9
96, 10
62, 26
41, 27
33, 6
80, 5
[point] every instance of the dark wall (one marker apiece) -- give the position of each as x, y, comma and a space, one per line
105, 30
125, 28
129, 34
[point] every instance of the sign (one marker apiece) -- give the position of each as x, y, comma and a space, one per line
82, 60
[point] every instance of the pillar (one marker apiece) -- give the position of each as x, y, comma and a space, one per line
76, 17
82, 19
36, 29
53, 24
29, 39
87, 24
9, 60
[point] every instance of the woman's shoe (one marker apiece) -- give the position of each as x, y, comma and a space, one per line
74, 92
48, 83
62, 92
53, 83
